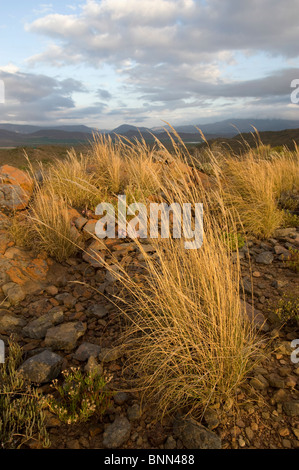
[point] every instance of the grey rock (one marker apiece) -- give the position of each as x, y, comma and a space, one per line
253, 315
92, 366
110, 355
170, 443
10, 323
87, 350
195, 436
276, 381
42, 368
284, 232
64, 337
212, 419
117, 433
265, 258
111, 275
98, 310
37, 329
67, 299
121, 398
13, 197
134, 412
259, 382
14, 292
291, 408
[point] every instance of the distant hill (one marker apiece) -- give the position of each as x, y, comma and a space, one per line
12, 135
239, 143
28, 129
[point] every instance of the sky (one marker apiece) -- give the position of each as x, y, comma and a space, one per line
142, 62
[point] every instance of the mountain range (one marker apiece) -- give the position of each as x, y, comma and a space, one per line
14, 135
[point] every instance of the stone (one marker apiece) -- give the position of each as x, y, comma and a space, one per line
280, 250
93, 367
42, 368
80, 222
94, 255
110, 276
279, 284
86, 350
253, 315
275, 381
37, 329
110, 355
170, 443
121, 398
117, 433
10, 323
259, 382
15, 188
284, 232
211, 418
14, 293
195, 436
134, 412
64, 337
249, 433
52, 290
265, 258
66, 299
291, 408
98, 310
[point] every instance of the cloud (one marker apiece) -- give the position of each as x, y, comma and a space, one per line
170, 31
169, 59
104, 94
37, 97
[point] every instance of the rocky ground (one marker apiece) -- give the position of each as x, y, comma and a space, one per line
61, 321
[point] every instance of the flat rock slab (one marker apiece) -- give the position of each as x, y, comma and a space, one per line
37, 329
195, 436
117, 433
64, 337
109, 355
266, 257
42, 368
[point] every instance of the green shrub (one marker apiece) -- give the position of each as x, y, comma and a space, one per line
234, 241
288, 309
80, 396
293, 260
21, 406
290, 220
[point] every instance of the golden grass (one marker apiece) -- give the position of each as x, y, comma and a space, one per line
254, 186
72, 181
189, 340
51, 225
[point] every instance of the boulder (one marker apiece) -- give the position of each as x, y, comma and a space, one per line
42, 368
64, 337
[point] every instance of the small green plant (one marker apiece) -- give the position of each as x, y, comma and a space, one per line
293, 260
234, 241
288, 309
80, 396
290, 220
21, 406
